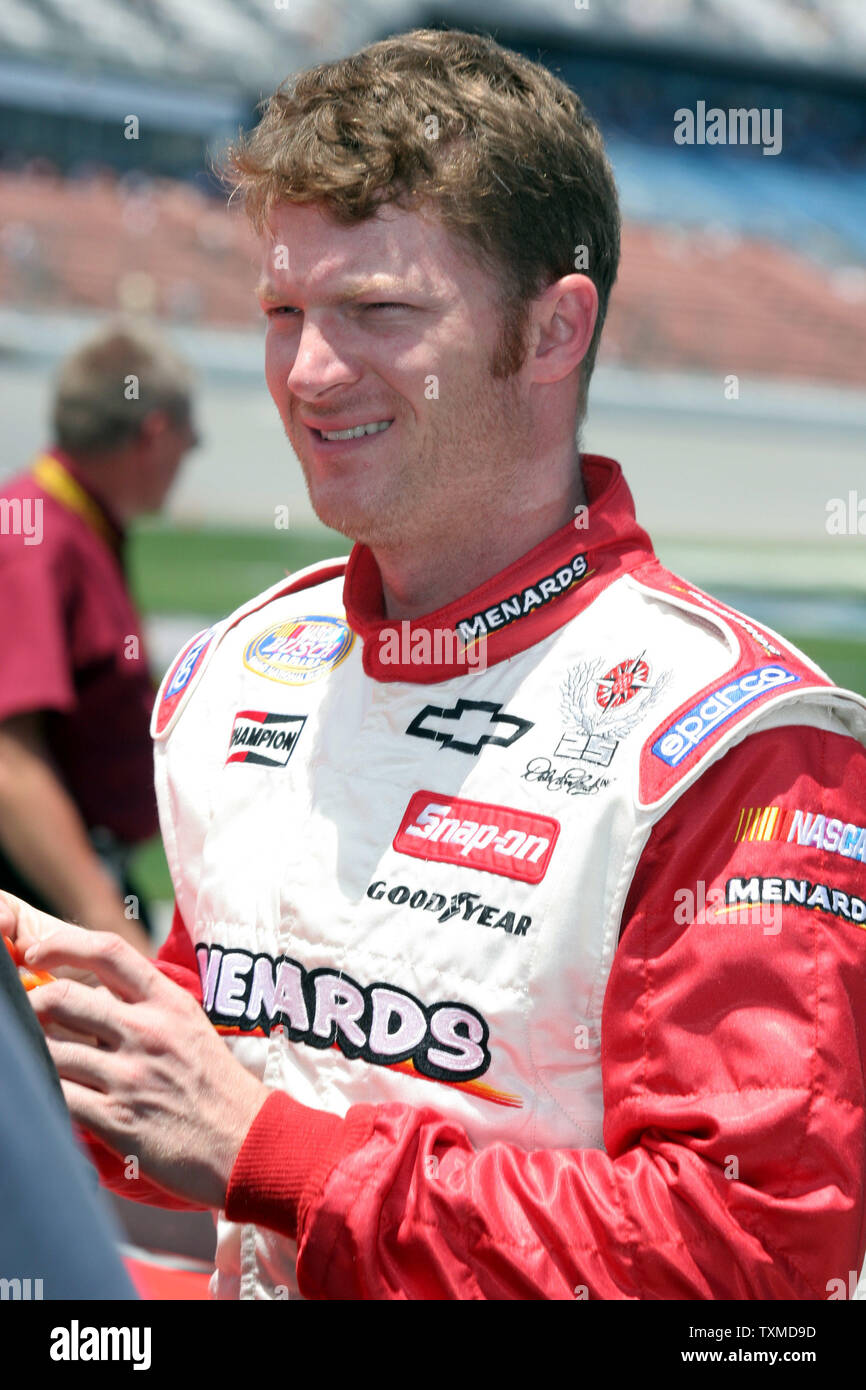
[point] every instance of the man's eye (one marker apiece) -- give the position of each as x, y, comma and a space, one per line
386, 304
280, 309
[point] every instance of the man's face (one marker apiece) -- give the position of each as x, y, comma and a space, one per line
388, 322
164, 442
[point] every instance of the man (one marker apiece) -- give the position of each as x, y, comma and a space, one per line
75, 689
521, 881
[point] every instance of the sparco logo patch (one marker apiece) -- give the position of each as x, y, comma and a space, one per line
468, 726
322, 1008
536, 595
691, 728
517, 844
265, 739
299, 651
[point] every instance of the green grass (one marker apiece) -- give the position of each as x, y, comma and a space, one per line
211, 572
845, 661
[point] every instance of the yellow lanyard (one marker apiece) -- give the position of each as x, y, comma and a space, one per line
59, 483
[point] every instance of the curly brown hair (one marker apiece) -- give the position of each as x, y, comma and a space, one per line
504, 153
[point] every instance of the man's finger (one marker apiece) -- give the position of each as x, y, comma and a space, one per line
88, 1066
89, 1109
117, 964
19, 921
83, 1011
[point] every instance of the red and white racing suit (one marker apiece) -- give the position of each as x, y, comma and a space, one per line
550, 941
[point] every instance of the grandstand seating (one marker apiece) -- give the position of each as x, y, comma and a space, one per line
255, 42
701, 298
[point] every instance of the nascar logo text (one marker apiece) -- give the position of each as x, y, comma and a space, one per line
380, 1023
496, 838
814, 830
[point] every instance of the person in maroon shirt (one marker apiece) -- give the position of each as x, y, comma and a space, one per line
76, 780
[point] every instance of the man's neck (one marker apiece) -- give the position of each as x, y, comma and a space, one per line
422, 577
103, 476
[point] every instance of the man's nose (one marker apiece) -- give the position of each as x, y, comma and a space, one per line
320, 361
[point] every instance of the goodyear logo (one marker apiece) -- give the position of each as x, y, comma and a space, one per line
299, 651
697, 724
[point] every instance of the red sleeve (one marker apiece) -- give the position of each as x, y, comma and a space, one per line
733, 1060
176, 959
36, 670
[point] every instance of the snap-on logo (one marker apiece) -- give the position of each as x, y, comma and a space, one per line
498, 839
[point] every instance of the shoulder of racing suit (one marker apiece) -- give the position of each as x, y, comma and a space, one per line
769, 684
188, 667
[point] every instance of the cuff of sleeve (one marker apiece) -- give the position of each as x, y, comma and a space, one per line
181, 975
286, 1158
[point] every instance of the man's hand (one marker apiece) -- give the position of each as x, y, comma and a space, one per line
25, 925
141, 1066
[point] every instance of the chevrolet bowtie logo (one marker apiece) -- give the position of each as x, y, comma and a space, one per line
478, 722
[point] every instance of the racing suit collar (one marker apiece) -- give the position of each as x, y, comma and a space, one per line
534, 597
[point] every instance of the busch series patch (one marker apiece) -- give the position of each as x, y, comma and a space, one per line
182, 673
690, 729
518, 844
300, 650
267, 740
380, 1023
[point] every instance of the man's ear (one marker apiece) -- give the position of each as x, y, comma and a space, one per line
563, 322
154, 425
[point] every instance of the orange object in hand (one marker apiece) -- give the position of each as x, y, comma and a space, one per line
29, 978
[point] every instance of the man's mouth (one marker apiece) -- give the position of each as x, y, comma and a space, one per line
357, 432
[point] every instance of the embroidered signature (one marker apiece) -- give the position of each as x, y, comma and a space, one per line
574, 781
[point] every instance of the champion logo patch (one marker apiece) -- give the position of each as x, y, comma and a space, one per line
498, 839
265, 739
